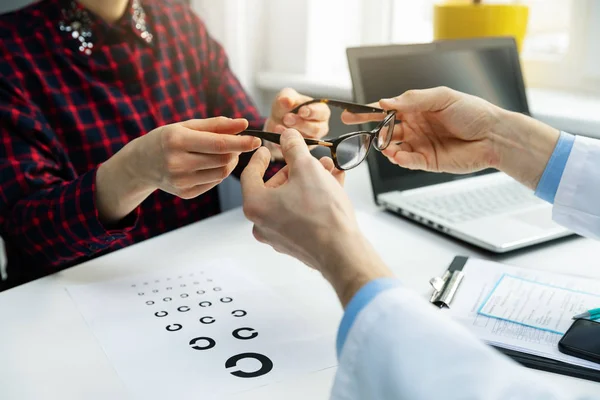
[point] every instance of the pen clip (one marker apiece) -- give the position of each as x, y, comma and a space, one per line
445, 287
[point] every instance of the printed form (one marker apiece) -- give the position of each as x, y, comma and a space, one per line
536, 304
480, 279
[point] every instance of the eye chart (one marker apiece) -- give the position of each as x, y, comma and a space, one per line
200, 332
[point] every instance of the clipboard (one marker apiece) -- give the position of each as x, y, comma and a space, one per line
550, 365
446, 288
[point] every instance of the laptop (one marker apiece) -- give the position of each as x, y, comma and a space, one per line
487, 209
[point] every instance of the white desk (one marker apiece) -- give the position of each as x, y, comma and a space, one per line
48, 352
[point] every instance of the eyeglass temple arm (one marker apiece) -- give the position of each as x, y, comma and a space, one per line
350, 107
275, 138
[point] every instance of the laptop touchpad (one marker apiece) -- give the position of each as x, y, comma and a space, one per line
541, 218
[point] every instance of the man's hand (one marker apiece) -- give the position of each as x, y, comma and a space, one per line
304, 212
311, 121
442, 130
185, 159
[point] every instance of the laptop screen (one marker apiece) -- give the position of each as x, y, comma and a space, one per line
491, 72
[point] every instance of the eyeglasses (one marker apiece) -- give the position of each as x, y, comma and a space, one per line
350, 149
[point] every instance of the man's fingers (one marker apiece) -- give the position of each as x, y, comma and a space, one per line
293, 147
409, 160
426, 100
338, 174
252, 177
209, 142
279, 178
398, 134
327, 164
396, 145
217, 125
283, 174
279, 129
351, 119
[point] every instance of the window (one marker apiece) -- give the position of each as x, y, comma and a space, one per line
560, 40
548, 27
306, 40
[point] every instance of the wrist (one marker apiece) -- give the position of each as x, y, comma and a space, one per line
349, 263
522, 146
119, 186
133, 161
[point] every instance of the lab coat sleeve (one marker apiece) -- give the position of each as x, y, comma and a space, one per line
577, 201
360, 300
400, 347
548, 184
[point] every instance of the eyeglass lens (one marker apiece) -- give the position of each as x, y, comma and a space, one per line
353, 150
385, 135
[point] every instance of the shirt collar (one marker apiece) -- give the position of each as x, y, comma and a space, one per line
86, 30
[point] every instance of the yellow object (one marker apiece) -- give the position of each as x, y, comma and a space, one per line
458, 21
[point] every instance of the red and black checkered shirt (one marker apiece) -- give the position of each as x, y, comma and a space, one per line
63, 112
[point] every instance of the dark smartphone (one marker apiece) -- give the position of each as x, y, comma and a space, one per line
582, 340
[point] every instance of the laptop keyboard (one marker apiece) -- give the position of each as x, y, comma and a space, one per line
477, 203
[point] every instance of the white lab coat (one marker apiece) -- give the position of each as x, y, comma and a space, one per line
577, 201
399, 347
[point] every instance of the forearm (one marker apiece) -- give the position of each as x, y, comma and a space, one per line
523, 146
350, 263
58, 225
119, 188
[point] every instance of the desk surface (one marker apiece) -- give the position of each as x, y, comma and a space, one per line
47, 350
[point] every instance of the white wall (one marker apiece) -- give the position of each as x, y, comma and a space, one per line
239, 25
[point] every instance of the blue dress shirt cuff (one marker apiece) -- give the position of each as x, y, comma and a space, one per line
548, 185
360, 300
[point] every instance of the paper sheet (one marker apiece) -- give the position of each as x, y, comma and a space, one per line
200, 332
536, 304
480, 278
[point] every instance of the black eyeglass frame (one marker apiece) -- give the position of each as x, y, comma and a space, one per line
332, 144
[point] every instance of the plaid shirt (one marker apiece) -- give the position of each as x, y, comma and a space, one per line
63, 112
